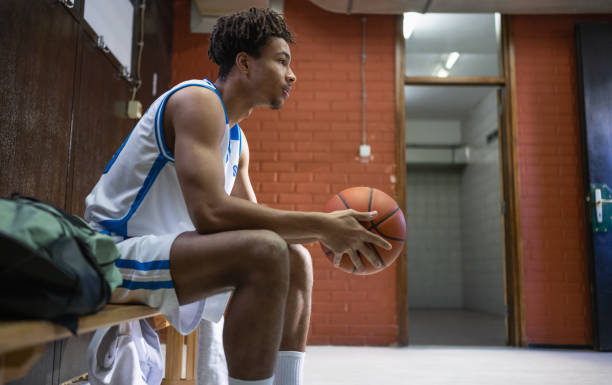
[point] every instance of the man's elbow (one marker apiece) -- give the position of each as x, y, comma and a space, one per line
206, 219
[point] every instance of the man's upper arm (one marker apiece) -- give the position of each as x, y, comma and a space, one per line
242, 186
198, 120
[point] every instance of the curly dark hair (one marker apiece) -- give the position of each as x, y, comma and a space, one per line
244, 31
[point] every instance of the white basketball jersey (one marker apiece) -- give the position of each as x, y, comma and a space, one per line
139, 192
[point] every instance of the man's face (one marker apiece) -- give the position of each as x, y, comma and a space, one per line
271, 74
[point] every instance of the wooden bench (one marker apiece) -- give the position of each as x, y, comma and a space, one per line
22, 343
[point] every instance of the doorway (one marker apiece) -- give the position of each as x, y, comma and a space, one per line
454, 220
457, 181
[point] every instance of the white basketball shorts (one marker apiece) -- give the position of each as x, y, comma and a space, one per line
145, 266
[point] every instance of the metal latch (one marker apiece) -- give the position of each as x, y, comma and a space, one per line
602, 213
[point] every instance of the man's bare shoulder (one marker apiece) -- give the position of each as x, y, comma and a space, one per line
195, 111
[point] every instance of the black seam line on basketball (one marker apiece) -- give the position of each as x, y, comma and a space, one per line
343, 201
388, 236
378, 255
374, 225
370, 201
387, 217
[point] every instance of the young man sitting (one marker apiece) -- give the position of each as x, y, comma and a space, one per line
178, 197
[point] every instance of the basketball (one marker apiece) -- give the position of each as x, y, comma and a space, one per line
389, 224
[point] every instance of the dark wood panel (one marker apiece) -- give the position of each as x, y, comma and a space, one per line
157, 52
100, 121
400, 185
37, 41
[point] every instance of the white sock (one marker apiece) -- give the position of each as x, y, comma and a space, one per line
267, 381
289, 368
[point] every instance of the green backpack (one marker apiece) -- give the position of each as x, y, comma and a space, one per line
52, 264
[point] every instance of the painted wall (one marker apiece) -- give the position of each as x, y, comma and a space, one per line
556, 282
481, 220
307, 151
433, 211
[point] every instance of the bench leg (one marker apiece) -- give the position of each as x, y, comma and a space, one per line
174, 357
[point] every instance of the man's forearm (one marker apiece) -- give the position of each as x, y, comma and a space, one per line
234, 213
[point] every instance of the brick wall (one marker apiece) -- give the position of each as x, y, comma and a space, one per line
307, 151
553, 237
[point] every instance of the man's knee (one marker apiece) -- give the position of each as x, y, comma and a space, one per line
301, 274
269, 256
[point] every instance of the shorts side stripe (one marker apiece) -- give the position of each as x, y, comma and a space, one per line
148, 285
137, 265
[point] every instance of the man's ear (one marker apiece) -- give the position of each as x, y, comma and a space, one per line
242, 62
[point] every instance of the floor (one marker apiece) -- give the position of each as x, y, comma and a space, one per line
455, 327
439, 365
455, 347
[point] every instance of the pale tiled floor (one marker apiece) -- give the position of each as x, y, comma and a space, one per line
431, 360
455, 327
440, 365
450, 347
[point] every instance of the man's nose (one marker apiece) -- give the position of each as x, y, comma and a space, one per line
291, 78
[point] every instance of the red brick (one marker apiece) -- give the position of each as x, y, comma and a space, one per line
315, 167
331, 177
295, 156
277, 146
295, 177
277, 166
294, 198
313, 188
278, 187
264, 176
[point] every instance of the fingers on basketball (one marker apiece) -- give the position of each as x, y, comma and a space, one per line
389, 224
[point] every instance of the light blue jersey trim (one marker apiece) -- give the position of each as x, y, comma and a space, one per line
147, 285
159, 123
119, 226
143, 266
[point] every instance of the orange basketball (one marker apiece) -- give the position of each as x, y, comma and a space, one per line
389, 224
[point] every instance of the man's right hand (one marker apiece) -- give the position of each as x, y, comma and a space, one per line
343, 234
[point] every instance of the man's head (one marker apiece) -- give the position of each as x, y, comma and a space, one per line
245, 32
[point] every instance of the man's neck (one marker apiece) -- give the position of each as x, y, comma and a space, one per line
236, 105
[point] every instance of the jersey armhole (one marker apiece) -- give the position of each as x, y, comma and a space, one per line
159, 119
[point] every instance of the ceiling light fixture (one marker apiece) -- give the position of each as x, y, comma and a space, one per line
411, 20
442, 73
451, 60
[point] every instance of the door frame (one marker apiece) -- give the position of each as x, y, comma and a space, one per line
515, 320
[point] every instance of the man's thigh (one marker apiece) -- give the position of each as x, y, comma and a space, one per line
205, 264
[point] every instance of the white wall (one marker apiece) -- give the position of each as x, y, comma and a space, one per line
433, 131
434, 238
481, 221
